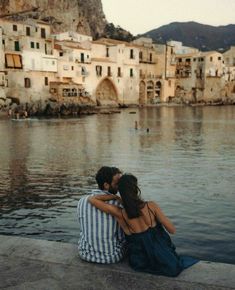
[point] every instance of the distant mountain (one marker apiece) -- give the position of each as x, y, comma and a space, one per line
193, 34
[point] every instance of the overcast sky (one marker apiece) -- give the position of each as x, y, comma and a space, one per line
139, 16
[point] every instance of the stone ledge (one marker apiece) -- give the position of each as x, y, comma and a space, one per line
39, 264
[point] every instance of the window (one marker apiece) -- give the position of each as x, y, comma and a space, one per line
132, 54
131, 72
45, 48
53, 62
107, 51
169, 83
140, 55
72, 67
43, 33
3, 42
37, 45
194, 59
84, 71
14, 27
27, 83
61, 53
28, 31
98, 69
180, 59
82, 58
17, 46
32, 44
46, 81
211, 58
150, 57
13, 61
219, 58
109, 71
119, 72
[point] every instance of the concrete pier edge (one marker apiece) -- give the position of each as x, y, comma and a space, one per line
30, 264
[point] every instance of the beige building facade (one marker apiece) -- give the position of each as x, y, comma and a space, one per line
36, 66
200, 77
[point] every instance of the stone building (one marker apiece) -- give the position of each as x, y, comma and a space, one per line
114, 77
157, 71
71, 68
28, 59
74, 64
200, 76
229, 58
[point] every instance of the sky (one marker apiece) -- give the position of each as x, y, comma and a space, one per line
139, 16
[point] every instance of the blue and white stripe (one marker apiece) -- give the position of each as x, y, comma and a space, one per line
101, 238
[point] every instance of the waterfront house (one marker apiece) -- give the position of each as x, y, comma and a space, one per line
29, 63
200, 76
157, 71
74, 64
115, 72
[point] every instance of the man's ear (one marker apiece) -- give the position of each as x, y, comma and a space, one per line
106, 186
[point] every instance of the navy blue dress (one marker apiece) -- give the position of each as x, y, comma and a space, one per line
152, 251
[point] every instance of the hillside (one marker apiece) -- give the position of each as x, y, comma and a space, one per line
203, 37
85, 17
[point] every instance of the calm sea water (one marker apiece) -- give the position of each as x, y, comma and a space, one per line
186, 163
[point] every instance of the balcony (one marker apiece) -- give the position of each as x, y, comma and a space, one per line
146, 61
149, 76
183, 64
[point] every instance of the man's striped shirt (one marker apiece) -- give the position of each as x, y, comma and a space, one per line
101, 238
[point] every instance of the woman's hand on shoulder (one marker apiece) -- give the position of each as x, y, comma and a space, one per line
164, 220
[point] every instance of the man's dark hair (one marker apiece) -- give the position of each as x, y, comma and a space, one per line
106, 174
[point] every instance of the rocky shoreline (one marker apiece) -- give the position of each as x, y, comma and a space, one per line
55, 110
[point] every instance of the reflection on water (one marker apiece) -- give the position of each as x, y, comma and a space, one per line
185, 162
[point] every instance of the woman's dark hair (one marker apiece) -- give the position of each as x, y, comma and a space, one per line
130, 194
105, 175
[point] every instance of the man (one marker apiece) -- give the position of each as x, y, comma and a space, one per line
101, 238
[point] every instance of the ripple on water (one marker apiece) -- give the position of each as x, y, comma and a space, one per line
186, 163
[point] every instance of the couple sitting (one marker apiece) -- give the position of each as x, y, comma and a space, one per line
111, 226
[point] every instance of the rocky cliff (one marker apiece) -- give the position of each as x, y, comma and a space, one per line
83, 16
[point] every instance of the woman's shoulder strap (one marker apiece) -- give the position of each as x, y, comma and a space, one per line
150, 210
128, 226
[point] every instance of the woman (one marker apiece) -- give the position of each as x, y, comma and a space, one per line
145, 226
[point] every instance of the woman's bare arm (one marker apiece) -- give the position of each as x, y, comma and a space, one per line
164, 220
99, 201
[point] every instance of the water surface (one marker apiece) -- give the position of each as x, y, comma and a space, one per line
186, 163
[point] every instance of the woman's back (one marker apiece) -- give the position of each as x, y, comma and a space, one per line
146, 220
150, 248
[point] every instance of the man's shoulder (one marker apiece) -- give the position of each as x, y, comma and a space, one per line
84, 199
